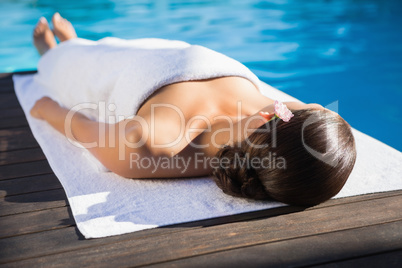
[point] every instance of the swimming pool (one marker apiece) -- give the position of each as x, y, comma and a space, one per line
319, 51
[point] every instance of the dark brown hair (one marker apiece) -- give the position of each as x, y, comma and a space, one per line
317, 153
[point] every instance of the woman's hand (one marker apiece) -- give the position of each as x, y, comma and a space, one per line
40, 106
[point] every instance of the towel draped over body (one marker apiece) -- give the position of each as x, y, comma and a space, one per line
126, 72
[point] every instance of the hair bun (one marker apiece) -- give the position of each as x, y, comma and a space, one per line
238, 178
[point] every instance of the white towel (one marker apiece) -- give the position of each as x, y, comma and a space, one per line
105, 204
101, 72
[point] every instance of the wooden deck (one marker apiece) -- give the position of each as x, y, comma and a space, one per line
37, 228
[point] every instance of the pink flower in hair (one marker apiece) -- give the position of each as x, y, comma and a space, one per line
282, 111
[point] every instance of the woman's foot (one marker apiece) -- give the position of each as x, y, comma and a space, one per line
43, 36
62, 28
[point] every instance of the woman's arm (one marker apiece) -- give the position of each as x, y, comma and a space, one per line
119, 147
112, 144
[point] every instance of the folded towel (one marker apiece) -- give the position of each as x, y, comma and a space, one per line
105, 204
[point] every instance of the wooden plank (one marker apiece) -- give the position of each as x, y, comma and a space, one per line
12, 112
8, 100
21, 156
306, 251
26, 246
6, 81
16, 138
386, 259
13, 122
32, 202
29, 184
200, 241
232, 218
13, 171
6, 85
37, 221
5, 76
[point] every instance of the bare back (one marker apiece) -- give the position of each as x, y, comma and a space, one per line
180, 112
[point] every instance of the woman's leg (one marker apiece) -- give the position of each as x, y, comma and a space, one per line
43, 36
62, 28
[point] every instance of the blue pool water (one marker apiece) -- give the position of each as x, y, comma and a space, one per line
320, 51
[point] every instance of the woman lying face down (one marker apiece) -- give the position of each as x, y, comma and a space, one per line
295, 153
